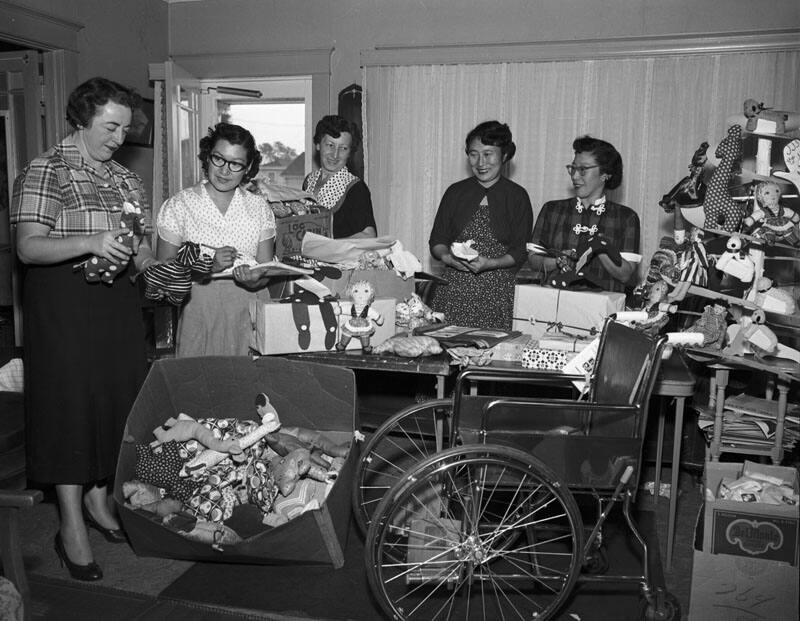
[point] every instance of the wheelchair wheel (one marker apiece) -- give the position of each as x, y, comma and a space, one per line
441, 543
671, 610
405, 439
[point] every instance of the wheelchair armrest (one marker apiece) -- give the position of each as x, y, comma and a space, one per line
550, 414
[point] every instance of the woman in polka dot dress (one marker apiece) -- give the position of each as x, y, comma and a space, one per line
493, 213
236, 226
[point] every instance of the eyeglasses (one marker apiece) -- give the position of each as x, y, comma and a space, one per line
219, 162
581, 170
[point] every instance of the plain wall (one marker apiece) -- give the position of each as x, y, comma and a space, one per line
119, 38
349, 26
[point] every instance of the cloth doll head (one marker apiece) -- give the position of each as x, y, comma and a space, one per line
361, 292
768, 195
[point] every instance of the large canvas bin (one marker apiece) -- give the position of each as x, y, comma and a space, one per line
304, 394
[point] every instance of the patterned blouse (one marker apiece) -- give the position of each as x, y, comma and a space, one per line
191, 215
60, 190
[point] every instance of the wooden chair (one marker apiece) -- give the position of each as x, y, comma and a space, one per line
13, 495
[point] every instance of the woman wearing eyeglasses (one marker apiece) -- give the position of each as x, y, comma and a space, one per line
231, 224
568, 226
479, 234
335, 141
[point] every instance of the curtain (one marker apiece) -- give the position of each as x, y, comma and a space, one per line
655, 110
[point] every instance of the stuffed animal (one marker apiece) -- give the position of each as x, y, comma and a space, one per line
199, 464
148, 497
410, 346
712, 324
735, 261
361, 318
414, 313
371, 260
772, 300
770, 220
100, 269
288, 469
784, 121
186, 428
691, 190
721, 211
172, 281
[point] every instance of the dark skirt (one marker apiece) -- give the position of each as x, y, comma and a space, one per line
85, 360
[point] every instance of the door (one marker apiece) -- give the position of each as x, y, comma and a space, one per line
21, 139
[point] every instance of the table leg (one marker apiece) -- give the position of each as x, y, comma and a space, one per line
722, 376
777, 449
440, 386
659, 451
677, 438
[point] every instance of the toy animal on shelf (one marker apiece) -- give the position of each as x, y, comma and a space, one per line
720, 210
691, 190
413, 313
784, 121
735, 261
361, 318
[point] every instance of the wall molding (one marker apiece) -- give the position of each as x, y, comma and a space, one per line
587, 49
39, 30
257, 64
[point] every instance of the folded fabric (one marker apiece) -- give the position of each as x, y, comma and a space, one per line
341, 251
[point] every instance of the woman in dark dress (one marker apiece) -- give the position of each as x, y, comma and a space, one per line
334, 186
84, 348
493, 213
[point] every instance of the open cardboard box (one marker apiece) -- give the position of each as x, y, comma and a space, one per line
304, 394
752, 529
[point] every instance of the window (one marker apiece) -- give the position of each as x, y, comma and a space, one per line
279, 121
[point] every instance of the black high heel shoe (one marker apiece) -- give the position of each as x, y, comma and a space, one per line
112, 535
87, 573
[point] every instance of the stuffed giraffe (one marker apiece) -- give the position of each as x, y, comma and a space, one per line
721, 212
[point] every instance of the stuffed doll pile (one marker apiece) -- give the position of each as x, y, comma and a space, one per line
199, 474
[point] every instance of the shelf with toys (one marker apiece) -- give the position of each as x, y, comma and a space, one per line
730, 268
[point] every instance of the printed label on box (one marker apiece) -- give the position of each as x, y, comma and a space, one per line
735, 533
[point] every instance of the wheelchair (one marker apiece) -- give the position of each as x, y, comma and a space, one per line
469, 505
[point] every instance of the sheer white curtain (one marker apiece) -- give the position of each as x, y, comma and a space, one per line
656, 110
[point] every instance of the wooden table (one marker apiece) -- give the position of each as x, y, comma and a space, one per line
782, 372
437, 366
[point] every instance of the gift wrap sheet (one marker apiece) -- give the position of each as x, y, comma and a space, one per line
539, 310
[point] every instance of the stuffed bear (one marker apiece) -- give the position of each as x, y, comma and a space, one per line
100, 269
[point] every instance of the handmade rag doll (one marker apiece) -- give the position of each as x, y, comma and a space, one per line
770, 220
172, 281
361, 318
100, 269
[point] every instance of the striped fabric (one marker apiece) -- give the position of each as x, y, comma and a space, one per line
172, 281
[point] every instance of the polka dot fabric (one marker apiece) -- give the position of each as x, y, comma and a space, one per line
719, 207
191, 215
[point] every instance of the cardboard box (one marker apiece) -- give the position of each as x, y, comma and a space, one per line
275, 331
728, 588
226, 386
544, 309
386, 282
750, 529
291, 230
511, 350
545, 359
